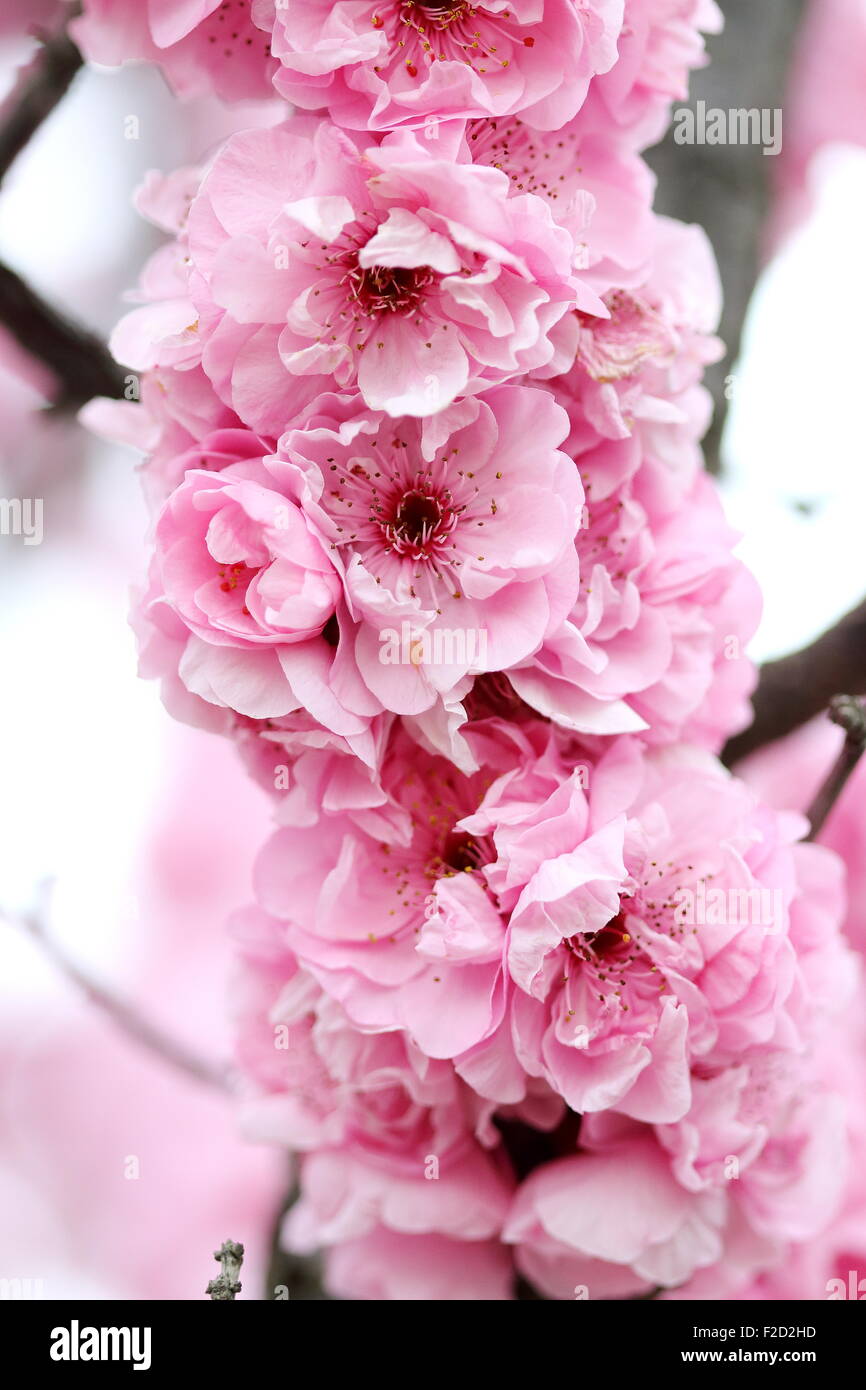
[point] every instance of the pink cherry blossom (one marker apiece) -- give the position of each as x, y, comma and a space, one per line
317, 1081
657, 639
376, 64
239, 564
424, 928
617, 1011
384, 1266
202, 45
416, 277
661, 42
612, 1224
457, 527
345, 1197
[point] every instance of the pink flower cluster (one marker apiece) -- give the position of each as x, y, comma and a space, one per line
533, 985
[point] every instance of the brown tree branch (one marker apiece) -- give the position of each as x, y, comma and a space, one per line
290, 1276
792, 690
227, 1285
850, 715
39, 89
140, 1029
81, 363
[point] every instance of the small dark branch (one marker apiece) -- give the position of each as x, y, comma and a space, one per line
140, 1029
794, 689
81, 363
290, 1276
726, 188
227, 1285
524, 1292
850, 715
42, 85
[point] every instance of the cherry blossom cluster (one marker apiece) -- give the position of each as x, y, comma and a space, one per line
534, 986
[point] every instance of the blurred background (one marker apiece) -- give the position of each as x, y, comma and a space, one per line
120, 1173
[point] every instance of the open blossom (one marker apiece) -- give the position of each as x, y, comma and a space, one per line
456, 528
376, 64
315, 1081
203, 46
638, 370
384, 962
416, 278
582, 914
657, 637
362, 567
660, 44
614, 1221
635, 936
778, 1156
565, 167
636, 954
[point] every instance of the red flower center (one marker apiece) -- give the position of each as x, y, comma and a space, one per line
420, 521
385, 289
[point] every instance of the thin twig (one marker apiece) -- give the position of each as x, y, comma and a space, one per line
794, 689
850, 715
227, 1285
290, 1276
40, 88
79, 361
140, 1029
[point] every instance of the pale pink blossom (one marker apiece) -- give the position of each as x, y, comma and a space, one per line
376, 64
456, 527
385, 1266
660, 44
651, 928
201, 45
311, 260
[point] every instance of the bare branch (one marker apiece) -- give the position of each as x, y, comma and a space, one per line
79, 361
82, 364
794, 689
296, 1277
850, 715
140, 1029
227, 1285
41, 86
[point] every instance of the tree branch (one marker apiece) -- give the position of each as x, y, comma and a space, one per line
227, 1285
792, 690
725, 188
299, 1275
850, 715
140, 1029
82, 364
41, 86
79, 361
